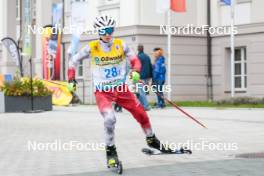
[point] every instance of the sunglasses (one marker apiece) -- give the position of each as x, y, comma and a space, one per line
105, 31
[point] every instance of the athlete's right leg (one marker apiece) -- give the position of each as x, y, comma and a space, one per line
104, 103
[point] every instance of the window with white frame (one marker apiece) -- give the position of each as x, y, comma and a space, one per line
108, 2
110, 7
242, 12
240, 74
17, 10
33, 9
18, 19
80, 69
67, 13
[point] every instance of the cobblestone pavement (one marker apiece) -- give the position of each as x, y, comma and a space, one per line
239, 131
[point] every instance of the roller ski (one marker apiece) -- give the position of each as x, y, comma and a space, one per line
150, 152
113, 163
160, 149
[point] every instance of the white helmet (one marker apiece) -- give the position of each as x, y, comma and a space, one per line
104, 21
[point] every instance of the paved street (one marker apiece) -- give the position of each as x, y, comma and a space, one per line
241, 131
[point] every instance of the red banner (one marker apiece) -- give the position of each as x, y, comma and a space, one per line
51, 52
45, 55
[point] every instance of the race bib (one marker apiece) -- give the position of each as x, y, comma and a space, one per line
111, 72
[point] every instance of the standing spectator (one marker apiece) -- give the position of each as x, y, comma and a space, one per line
159, 71
145, 75
146, 66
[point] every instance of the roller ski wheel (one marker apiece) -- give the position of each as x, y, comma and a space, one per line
150, 152
113, 162
116, 167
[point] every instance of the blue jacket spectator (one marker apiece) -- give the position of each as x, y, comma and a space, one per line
145, 74
159, 69
159, 73
146, 66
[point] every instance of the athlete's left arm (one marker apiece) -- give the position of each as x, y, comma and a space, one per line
132, 57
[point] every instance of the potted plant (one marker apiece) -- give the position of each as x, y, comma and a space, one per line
15, 96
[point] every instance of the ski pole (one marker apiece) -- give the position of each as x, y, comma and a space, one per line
177, 107
180, 109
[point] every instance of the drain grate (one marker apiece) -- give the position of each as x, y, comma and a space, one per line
251, 155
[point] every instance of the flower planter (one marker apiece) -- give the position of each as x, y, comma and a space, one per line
23, 103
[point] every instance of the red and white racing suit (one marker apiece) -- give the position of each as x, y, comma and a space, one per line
109, 66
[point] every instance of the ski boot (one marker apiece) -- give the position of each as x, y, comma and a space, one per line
155, 143
112, 159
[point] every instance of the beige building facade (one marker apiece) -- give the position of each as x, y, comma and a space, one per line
139, 23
